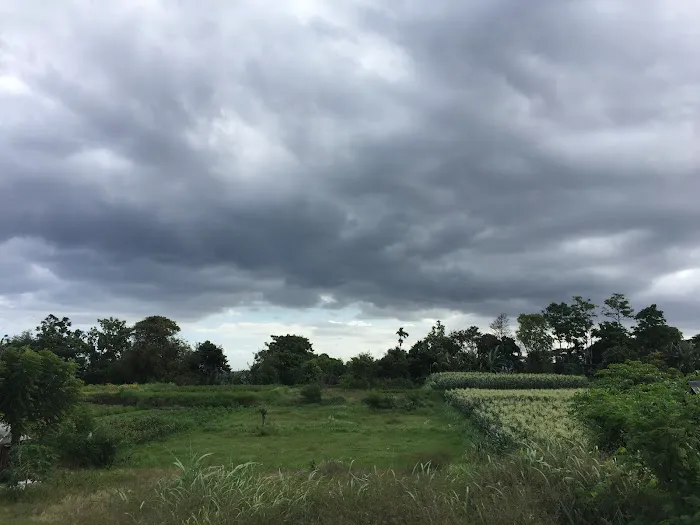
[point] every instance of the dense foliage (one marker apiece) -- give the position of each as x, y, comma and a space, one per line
650, 415
450, 380
36, 390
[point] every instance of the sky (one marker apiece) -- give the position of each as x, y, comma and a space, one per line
339, 169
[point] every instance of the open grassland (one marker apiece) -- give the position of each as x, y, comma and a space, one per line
293, 437
450, 380
511, 417
414, 428
355, 457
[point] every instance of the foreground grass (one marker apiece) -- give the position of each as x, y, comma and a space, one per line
535, 486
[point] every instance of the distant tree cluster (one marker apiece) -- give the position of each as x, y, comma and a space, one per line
114, 352
575, 337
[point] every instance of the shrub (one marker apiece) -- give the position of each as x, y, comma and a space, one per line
97, 448
143, 428
30, 461
379, 401
204, 396
650, 417
350, 382
312, 393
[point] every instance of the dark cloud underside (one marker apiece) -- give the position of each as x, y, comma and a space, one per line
467, 155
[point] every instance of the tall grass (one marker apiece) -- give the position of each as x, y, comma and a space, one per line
543, 486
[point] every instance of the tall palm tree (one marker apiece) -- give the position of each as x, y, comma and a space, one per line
402, 335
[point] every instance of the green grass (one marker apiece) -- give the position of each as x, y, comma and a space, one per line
342, 461
294, 437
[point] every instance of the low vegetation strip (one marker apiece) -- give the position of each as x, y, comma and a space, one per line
450, 380
182, 399
516, 417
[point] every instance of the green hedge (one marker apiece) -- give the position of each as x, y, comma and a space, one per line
183, 399
451, 380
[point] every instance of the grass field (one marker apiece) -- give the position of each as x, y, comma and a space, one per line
296, 437
199, 456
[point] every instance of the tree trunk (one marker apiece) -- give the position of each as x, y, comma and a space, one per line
16, 434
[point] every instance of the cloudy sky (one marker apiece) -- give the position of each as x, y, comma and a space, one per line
340, 168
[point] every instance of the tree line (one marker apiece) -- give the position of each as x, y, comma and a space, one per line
575, 337
114, 352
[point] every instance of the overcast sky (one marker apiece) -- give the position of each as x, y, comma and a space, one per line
338, 169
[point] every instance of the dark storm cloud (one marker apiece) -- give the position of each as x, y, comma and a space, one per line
478, 156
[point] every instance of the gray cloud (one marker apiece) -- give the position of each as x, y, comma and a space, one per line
476, 156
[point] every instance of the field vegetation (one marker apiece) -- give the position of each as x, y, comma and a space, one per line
451, 380
564, 422
519, 417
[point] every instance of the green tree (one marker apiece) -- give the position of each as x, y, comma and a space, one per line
282, 359
558, 317
208, 363
581, 328
614, 344
108, 342
684, 356
394, 364
617, 308
436, 352
25, 339
156, 353
331, 368
362, 369
510, 355
466, 343
500, 326
533, 332
37, 389
402, 335
56, 335
652, 333
488, 355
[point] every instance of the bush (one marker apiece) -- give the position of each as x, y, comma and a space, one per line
349, 382
97, 448
648, 416
79, 442
312, 393
204, 396
32, 461
143, 428
379, 401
